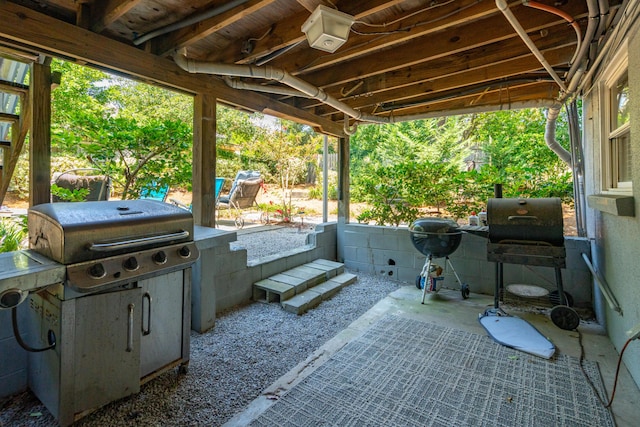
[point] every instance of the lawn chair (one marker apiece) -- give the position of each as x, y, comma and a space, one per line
155, 192
242, 195
99, 186
218, 189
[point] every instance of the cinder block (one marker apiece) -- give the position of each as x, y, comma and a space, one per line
302, 302
311, 276
267, 290
299, 284
344, 279
328, 289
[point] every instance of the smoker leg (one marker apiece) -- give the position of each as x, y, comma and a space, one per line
562, 298
499, 285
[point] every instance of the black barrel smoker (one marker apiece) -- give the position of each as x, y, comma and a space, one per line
530, 232
436, 238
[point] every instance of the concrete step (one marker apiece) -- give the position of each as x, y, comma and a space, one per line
303, 287
282, 286
312, 297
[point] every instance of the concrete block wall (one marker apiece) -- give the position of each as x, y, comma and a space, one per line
388, 252
13, 359
222, 278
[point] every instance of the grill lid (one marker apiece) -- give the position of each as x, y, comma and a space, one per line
75, 232
526, 221
436, 237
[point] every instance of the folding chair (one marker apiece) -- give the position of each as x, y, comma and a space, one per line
242, 195
218, 189
99, 186
155, 192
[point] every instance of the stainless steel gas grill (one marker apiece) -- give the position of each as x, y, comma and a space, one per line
122, 315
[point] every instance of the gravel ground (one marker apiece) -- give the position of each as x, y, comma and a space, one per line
249, 348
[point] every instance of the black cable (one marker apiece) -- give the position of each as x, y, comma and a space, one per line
615, 381
24, 345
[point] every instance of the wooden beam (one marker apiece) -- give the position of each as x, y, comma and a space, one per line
104, 13
204, 160
290, 33
40, 135
445, 43
439, 19
395, 85
50, 36
193, 33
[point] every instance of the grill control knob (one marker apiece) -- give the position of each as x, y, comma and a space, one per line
130, 264
184, 252
97, 271
159, 257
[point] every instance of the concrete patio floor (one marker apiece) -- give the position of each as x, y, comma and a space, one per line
448, 309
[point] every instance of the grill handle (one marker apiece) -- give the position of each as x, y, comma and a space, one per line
134, 243
147, 330
130, 328
525, 217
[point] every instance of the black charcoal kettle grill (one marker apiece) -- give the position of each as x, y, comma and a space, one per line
530, 232
436, 238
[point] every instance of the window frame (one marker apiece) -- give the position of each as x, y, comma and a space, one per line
610, 134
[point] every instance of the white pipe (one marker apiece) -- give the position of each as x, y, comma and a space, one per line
271, 73
189, 21
504, 8
277, 90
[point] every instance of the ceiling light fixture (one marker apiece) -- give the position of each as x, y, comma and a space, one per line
327, 29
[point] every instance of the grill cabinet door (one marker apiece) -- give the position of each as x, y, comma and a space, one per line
162, 321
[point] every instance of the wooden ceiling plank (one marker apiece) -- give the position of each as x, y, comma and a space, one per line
311, 5
418, 51
56, 38
533, 93
104, 13
183, 37
359, 45
289, 32
492, 73
445, 67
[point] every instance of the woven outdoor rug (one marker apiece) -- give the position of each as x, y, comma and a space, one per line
404, 372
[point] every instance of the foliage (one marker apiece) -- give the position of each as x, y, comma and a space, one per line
13, 234
288, 148
76, 195
402, 169
136, 133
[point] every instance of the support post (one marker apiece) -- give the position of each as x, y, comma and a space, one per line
204, 160
40, 134
343, 180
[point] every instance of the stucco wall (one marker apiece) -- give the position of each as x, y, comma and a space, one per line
617, 238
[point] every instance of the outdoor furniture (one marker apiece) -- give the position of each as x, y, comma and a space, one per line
99, 185
155, 192
219, 183
242, 195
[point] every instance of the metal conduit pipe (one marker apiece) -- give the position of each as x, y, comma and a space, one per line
603, 5
592, 26
565, 16
189, 21
504, 8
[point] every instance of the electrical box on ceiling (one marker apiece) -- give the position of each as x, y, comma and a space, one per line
327, 29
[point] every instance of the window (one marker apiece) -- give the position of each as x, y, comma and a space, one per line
617, 155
